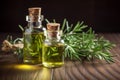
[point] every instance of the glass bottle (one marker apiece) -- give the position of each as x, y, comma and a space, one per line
33, 37
53, 48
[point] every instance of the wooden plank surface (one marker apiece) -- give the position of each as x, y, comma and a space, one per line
72, 70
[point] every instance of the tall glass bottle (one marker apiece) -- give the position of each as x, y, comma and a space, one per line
33, 37
53, 47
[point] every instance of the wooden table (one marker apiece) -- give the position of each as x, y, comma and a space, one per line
72, 70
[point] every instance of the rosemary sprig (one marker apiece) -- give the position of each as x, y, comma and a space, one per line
81, 45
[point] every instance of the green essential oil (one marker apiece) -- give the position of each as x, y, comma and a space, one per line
33, 43
53, 55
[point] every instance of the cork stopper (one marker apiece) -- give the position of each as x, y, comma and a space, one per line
35, 13
53, 29
53, 26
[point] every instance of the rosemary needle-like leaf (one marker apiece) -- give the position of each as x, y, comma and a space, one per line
54, 21
22, 29
47, 20
63, 25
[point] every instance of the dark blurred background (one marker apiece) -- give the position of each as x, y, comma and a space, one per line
101, 15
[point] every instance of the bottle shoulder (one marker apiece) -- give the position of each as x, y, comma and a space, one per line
34, 29
54, 42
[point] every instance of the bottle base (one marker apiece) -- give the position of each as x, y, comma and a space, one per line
32, 62
52, 65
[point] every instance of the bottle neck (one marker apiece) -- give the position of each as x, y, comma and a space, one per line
35, 24
34, 21
53, 35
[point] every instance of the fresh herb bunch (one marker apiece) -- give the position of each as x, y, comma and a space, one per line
84, 45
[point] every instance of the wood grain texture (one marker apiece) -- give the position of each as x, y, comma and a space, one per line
72, 70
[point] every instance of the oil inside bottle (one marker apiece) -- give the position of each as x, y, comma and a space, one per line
53, 55
33, 43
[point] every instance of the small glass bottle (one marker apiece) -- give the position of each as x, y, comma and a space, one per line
33, 37
53, 48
